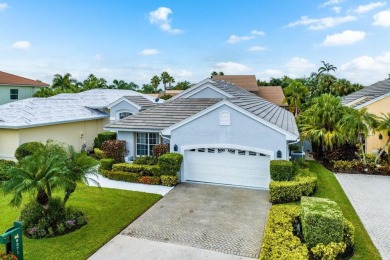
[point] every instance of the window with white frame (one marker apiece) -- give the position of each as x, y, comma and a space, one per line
124, 114
145, 143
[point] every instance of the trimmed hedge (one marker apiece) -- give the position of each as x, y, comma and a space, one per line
348, 233
304, 184
106, 164
122, 176
102, 137
115, 149
329, 251
142, 170
279, 241
146, 160
27, 149
170, 163
322, 221
99, 154
168, 180
153, 180
281, 170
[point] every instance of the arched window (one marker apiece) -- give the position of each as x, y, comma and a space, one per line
124, 114
224, 118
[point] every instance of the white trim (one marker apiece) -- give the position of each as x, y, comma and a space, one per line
123, 99
289, 136
132, 130
199, 89
373, 101
207, 80
271, 154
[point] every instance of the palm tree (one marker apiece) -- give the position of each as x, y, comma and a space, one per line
295, 93
45, 92
155, 81
326, 68
357, 124
384, 125
319, 122
63, 82
170, 81
165, 78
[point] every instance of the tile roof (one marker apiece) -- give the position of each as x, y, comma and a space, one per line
141, 101
10, 79
164, 115
273, 94
368, 94
178, 109
247, 82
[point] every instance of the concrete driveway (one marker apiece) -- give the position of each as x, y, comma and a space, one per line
370, 196
203, 218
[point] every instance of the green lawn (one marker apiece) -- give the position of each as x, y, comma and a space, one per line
329, 187
108, 212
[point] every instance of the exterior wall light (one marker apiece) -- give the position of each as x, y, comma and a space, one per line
175, 148
279, 154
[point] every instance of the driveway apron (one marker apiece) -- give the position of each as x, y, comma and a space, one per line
218, 218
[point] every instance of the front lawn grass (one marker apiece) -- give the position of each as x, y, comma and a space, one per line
108, 212
329, 187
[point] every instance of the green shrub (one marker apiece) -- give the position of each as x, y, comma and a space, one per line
329, 251
160, 149
27, 149
281, 170
170, 163
106, 164
168, 180
102, 137
115, 149
154, 180
322, 221
303, 184
123, 176
142, 170
99, 154
4, 167
349, 233
146, 160
279, 241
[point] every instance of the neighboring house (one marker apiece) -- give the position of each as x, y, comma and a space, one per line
13, 88
172, 92
376, 98
273, 94
226, 134
74, 119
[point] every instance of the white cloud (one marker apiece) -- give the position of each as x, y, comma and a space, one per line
366, 69
368, 7
331, 2
3, 6
257, 33
382, 18
347, 37
98, 57
336, 9
236, 39
322, 23
270, 73
160, 17
257, 48
231, 67
21, 45
298, 67
179, 74
149, 52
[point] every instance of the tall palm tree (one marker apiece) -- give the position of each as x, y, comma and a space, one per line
357, 124
327, 67
165, 78
170, 81
63, 83
295, 93
384, 125
155, 81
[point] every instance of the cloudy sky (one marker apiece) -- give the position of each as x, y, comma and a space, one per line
134, 40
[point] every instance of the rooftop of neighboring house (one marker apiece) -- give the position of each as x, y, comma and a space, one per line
368, 95
13, 80
179, 108
172, 92
247, 82
273, 94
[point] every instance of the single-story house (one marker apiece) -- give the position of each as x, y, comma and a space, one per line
226, 134
13, 88
74, 119
376, 98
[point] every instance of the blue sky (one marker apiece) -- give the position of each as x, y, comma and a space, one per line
134, 40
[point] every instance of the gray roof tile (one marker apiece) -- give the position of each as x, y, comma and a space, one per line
367, 94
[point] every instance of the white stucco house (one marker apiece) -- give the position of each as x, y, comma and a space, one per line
226, 134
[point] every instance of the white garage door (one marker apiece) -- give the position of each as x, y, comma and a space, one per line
227, 166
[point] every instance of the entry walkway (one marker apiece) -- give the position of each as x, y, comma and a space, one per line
370, 196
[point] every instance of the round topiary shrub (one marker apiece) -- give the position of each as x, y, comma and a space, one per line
39, 222
27, 149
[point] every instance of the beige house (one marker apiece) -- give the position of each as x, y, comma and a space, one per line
74, 119
376, 98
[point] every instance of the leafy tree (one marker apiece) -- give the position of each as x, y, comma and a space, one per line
327, 67
214, 73
64, 83
45, 92
182, 85
262, 83
121, 84
342, 87
165, 79
384, 125
93, 82
170, 81
325, 83
149, 89
356, 124
295, 93
155, 81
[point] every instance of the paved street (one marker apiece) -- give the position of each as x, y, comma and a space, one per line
370, 196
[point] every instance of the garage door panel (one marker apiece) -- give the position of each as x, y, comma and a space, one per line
224, 167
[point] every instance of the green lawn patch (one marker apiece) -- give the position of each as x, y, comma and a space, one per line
329, 187
108, 210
